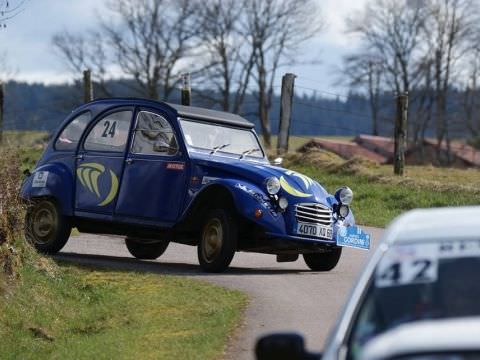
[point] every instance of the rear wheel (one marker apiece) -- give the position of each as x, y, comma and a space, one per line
145, 250
325, 261
218, 241
45, 228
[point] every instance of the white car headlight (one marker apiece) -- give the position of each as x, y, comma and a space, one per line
344, 195
273, 185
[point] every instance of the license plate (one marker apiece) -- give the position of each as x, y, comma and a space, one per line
353, 236
315, 230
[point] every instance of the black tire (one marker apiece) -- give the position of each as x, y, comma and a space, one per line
325, 261
45, 228
145, 250
218, 241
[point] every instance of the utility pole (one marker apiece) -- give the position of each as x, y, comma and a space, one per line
286, 99
2, 102
400, 134
87, 86
186, 90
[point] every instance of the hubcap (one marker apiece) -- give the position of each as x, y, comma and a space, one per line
44, 223
212, 240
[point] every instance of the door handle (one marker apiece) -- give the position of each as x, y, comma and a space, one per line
129, 161
79, 157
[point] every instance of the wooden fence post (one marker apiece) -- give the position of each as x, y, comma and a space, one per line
2, 102
87, 86
286, 99
186, 90
400, 134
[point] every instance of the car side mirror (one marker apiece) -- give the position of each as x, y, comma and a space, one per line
278, 161
283, 347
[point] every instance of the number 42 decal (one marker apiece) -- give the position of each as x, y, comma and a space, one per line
411, 271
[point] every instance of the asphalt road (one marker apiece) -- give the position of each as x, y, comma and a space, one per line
284, 296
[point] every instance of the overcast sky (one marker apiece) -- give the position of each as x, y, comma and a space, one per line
27, 40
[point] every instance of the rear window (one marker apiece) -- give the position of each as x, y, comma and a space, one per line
437, 280
71, 134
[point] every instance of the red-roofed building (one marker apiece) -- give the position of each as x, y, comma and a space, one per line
381, 150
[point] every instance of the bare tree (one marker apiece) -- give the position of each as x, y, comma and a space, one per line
149, 40
275, 29
229, 60
391, 30
9, 9
366, 72
449, 33
5, 73
470, 105
85, 51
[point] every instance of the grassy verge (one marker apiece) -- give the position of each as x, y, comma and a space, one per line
50, 311
379, 197
67, 312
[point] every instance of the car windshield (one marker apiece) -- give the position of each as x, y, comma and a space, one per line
221, 138
435, 280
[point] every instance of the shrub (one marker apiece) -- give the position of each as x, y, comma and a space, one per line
11, 210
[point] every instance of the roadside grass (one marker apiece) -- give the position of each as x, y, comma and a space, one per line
79, 313
24, 139
55, 311
380, 197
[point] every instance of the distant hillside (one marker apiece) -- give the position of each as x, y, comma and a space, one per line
41, 107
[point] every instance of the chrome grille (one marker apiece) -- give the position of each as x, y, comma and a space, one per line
313, 213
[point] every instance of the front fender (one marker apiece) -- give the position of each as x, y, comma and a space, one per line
59, 184
247, 198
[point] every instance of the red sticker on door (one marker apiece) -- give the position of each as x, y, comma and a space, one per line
175, 166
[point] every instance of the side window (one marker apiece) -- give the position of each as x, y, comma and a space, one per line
69, 137
154, 135
110, 133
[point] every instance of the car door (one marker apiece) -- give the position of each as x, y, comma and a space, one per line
154, 179
100, 162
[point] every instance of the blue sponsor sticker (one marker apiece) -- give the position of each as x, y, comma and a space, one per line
353, 236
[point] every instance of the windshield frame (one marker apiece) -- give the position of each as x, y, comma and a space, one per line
225, 150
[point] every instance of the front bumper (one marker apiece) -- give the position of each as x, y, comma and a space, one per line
302, 239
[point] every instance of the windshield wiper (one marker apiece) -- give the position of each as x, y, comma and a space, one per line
220, 147
248, 152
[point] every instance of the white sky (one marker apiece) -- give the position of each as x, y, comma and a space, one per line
27, 40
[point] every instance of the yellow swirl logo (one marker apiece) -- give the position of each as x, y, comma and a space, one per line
291, 190
88, 175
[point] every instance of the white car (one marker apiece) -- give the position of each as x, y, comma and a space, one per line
425, 269
452, 339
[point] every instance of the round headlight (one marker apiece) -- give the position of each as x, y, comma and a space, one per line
344, 195
282, 203
273, 185
343, 211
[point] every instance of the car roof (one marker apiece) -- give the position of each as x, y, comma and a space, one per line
198, 113
191, 112
437, 224
460, 334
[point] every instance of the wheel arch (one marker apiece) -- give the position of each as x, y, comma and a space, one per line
212, 197
59, 187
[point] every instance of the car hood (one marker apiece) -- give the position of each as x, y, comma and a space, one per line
296, 186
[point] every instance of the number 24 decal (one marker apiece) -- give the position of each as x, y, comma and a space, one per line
109, 129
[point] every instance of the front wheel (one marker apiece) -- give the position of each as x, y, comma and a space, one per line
218, 241
144, 250
325, 261
45, 228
